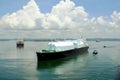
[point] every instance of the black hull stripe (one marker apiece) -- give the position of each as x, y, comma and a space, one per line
62, 54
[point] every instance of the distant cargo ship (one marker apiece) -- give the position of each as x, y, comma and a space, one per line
61, 49
20, 43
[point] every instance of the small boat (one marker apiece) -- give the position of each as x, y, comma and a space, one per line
95, 52
104, 46
20, 43
61, 49
97, 40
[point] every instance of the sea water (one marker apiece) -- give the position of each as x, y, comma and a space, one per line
21, 63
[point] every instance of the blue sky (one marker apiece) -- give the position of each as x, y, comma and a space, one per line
99, 7
93, 7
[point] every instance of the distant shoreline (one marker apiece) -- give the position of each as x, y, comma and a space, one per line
103, 39
48, 39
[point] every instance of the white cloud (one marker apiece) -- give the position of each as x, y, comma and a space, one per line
64, 16
22, 19
115, 19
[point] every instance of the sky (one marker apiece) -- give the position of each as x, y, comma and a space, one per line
59, 18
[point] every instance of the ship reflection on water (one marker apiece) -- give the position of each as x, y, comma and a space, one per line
59, 62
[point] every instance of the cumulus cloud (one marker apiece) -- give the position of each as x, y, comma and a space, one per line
22, 19
63, 16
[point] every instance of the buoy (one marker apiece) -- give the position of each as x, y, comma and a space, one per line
104, 46
95, 52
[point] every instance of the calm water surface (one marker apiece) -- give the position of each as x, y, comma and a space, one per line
21, 63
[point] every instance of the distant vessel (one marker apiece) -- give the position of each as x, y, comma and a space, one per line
95, 52
20, 43
97, 40
61, 49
